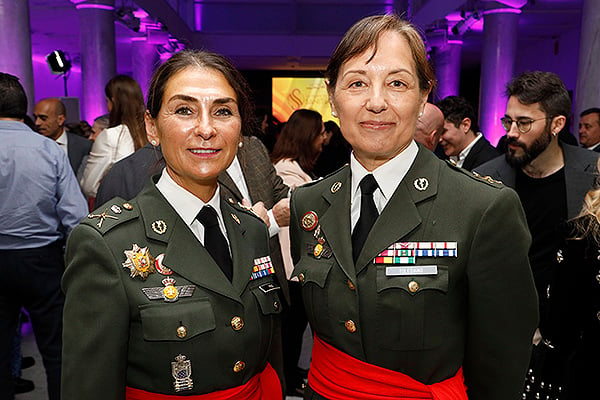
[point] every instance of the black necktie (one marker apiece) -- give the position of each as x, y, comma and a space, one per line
368, 214
214, 241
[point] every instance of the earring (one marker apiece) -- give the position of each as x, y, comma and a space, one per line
240, 144
420, 114
153, 142
333, 113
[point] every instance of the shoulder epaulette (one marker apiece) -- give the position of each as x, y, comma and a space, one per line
111, 214
327, 177
474, 175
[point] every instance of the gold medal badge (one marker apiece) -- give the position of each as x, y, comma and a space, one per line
139, 261
170, 292
309, 220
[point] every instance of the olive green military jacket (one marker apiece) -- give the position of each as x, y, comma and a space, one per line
123, 330
477, 309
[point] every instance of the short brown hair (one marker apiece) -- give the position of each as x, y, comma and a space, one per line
365, 33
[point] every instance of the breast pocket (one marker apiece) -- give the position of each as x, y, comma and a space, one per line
177, 321
267, 295
313, 274
412, 310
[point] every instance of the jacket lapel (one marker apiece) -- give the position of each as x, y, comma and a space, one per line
335, 223
184, 254
227, 183
401, 215
241, 247
579, 178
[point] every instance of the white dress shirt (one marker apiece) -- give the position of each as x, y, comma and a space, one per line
188, 206
237, 176
460, 159
388, 177
111, 145
63, 141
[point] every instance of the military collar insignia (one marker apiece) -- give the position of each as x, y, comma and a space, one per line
101, 217
139, 261
159, 226
235, 218
336, 186
421, 184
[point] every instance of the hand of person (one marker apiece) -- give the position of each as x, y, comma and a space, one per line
259, 209
281, 212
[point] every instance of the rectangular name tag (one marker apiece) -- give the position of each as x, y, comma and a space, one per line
412, 270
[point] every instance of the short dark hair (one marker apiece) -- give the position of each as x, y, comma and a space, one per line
203, 59
541, 87
456, 108
589, 111
13, 100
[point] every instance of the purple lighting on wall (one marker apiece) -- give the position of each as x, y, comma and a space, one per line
96, 6
389, 6
502, 11
198, 16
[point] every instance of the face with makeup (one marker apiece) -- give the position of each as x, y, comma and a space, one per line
378, 100
198, 127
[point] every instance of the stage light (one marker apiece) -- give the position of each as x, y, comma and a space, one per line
58, 62
465, 24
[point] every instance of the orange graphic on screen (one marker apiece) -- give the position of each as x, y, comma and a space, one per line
290, 94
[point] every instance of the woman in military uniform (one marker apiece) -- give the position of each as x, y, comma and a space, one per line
173, 293
414, 272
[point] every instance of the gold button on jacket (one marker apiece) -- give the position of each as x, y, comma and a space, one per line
131, 339
426, 326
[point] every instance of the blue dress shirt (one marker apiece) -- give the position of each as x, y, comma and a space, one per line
40, 199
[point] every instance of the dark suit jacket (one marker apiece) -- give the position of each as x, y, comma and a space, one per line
132, 340
264, 185
77, 148
479, 310
481, 152
580, 174
128, 176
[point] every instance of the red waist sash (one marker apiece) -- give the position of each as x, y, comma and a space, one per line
338, 376
263, 386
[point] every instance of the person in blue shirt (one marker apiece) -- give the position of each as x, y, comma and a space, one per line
40, 203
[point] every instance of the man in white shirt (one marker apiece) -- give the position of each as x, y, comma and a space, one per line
462, 142
50, 115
